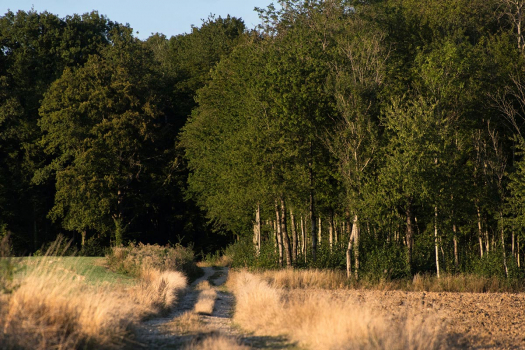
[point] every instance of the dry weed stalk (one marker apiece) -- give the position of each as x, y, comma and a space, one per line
320, 323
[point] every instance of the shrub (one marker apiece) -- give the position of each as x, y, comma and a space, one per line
8, 266
242, 254
136, 257
385, 263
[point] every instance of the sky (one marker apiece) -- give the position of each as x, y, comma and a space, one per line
169, 17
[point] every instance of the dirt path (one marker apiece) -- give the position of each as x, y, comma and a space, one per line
183, 326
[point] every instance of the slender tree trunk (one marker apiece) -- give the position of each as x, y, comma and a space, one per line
331, 230
349, 255
456, 258
480, 235
275, 239
257, 230
286, 238
351, 242
487, 238
312, 205
503, 245
319, 232
436, 240
279, 233
410, 235
518, 252
336, 232
294, 236
83, 235
303, 239
356, 247
313, 236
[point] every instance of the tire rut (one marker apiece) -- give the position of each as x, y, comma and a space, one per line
171, 332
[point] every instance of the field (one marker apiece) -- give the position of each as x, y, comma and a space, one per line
340, 318
73, 302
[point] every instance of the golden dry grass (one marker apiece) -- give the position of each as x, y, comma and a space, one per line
216, 260
206, 299
321, 323
313, 278
187, 323
158, 290
54, 309
336, 279
217, 342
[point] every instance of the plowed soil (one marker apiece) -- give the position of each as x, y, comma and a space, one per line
470, 320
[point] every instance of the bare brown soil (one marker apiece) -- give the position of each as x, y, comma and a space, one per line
470, 320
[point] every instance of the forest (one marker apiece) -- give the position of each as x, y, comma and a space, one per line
382, 137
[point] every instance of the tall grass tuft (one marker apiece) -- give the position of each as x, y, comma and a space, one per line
317, 322
217, 342
54, 308
206, 299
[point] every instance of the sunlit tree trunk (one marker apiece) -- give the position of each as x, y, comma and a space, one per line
331, 230
257, 230
294, 236
456, 258
503, 245
279, 233
286, 238
518, 252
480, 234
436, 242
410, 234
275, 239
319, 232
303, 238
352, 245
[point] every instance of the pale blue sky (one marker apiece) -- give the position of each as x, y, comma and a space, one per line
170, 17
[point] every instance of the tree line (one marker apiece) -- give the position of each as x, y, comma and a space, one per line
89, 118
384, 137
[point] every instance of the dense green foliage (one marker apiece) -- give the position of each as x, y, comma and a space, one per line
383, 136
393, 129
89, 118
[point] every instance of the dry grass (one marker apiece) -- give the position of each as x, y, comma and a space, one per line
216, 260
320, 323
217, 342
335, 279
158, 290
295, 279
54, 309
187, 323
461, 283
206, 300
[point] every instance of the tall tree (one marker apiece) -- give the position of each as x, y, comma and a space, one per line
99, 123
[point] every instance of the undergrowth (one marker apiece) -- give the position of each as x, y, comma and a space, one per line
135, 257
